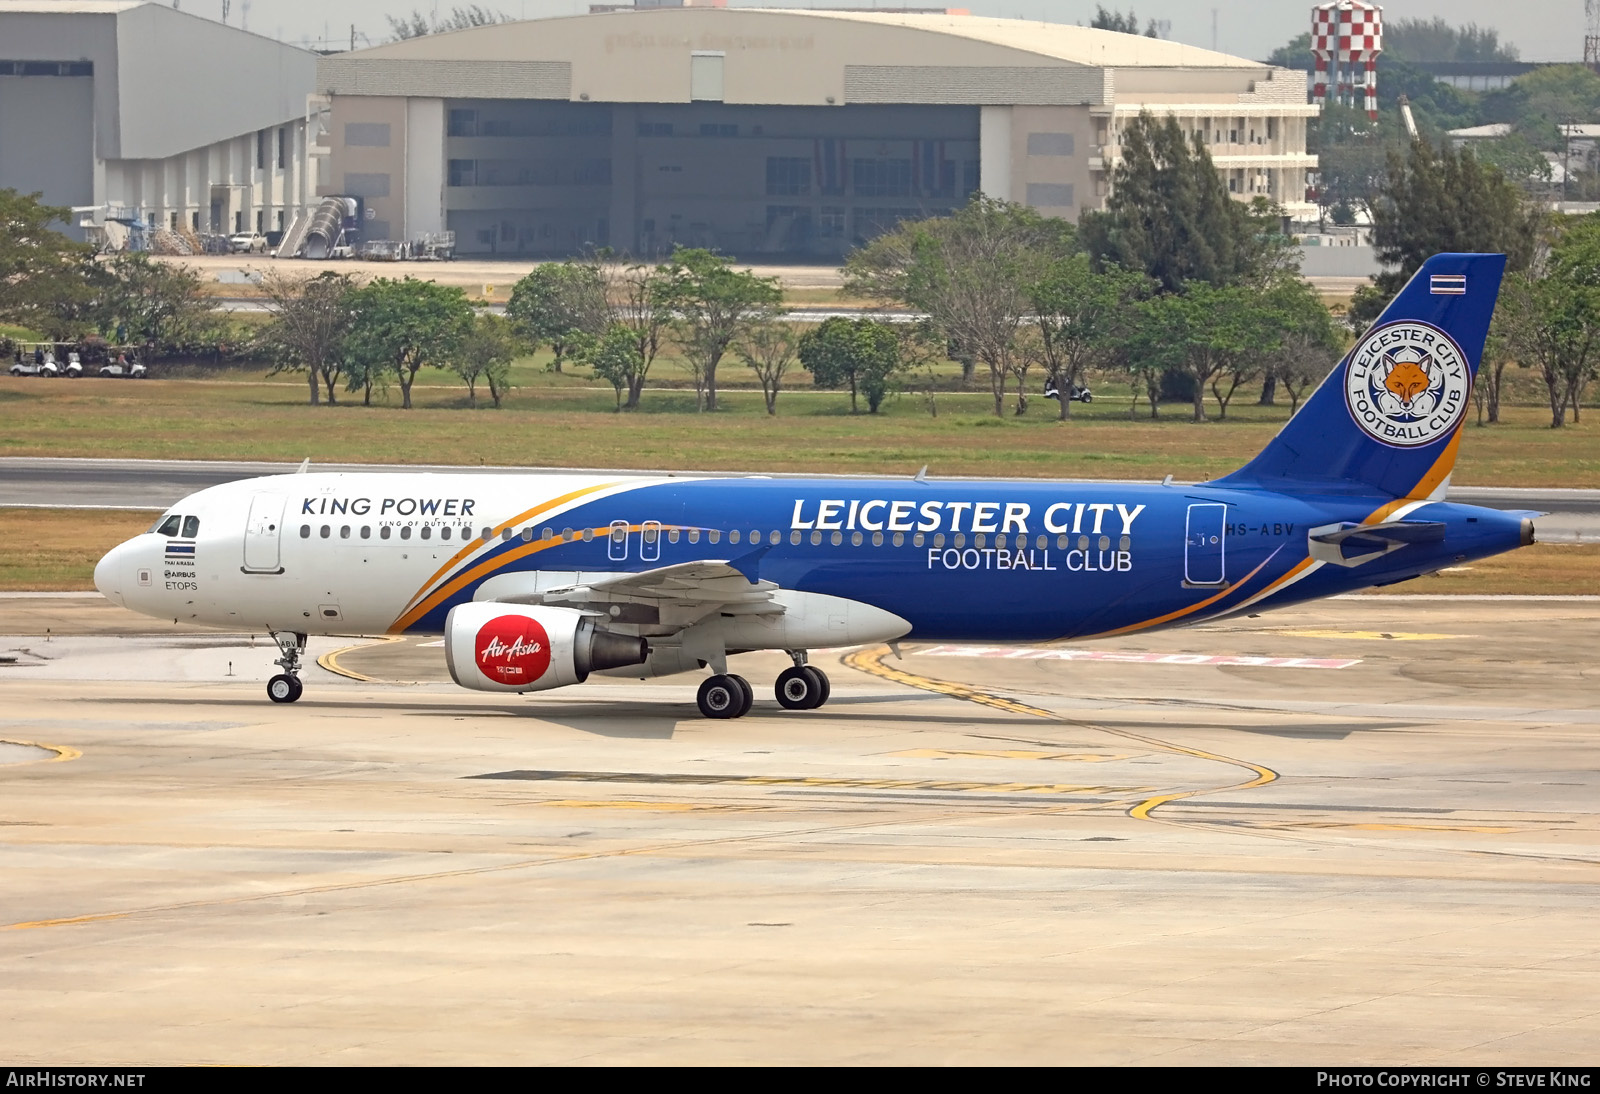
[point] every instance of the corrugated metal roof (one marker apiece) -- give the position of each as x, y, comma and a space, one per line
1080, 45
69, 7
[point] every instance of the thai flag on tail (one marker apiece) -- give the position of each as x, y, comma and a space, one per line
1448, 284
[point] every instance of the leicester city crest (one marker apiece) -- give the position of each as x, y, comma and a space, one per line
1406, 384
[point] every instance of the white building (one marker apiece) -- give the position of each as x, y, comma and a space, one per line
763, 131
153, 112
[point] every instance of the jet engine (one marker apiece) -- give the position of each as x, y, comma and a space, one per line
503, 647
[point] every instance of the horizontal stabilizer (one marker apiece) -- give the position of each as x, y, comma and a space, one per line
1347, 544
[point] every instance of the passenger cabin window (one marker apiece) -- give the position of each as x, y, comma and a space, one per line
169, 526
191, 527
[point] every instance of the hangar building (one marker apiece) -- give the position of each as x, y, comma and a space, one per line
769, 132
153, 112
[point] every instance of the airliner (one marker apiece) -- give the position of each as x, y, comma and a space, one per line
538, 581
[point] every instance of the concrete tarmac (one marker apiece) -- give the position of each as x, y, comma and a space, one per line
1362, 831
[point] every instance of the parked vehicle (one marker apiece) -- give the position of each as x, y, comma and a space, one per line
248, 243
74, 367
129, 370
47, 369
1080, 393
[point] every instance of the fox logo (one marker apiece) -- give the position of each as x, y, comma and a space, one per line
1406, 384
512, 649
1407, 388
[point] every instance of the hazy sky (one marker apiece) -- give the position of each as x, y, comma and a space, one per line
1544, 30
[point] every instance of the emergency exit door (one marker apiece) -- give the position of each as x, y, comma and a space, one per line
1205, 545
263, 531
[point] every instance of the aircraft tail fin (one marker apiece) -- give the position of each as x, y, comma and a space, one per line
1389, 417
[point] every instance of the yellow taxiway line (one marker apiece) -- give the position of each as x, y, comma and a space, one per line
870, 661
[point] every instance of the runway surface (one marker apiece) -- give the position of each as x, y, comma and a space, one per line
1573, 516
1363, 831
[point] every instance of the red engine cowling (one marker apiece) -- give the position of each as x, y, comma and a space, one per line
500, 647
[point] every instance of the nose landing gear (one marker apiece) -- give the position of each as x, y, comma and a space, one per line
286, 687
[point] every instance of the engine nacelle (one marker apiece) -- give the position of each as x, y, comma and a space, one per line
503, 647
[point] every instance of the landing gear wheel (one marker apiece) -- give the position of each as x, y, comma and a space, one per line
749, 694
722, 697
284, 688
824, 688
798, 688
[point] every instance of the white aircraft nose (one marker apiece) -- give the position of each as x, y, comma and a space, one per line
113, 572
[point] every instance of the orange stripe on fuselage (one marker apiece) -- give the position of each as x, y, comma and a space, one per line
1181, 612
537, 510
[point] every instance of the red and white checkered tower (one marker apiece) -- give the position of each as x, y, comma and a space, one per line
1347, 35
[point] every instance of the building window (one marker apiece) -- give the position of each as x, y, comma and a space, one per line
655, 129
261, 221
172, 221
788, 175
283, 147
831, 222
714, 129
194, 221
1050, 195
1233, 136
881, 178
238, 220
463, 173
261, 149
366, 134
280, 220
463, 123
593, 173
1050, 144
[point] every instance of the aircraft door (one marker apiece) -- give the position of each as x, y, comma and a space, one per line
617, 544
1204, 545
650, 541
262, 535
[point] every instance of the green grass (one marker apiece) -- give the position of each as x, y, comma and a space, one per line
568, 420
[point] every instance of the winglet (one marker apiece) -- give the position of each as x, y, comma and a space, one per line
305, 463
749, 565
921, 476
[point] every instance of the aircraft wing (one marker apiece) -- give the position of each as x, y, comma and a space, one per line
670, 597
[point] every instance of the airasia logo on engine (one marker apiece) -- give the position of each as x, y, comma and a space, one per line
513, 649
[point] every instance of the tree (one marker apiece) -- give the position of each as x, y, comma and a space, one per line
1296, 54
485, 352
713, 305
401, 327
861, 353
1123, 24
637, 301
1541, 101
970, 273
613, 357
156, 305
1553, 316
1170, 216
1308, 342
416, 25
558, 302
1217, 336
311, 317
1425, 40
1082, 316
1435, 200
41, 270
769, 346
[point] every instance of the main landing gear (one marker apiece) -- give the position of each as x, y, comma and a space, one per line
802, 687
286, 687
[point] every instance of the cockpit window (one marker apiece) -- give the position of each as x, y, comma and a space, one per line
169, 526
191, 527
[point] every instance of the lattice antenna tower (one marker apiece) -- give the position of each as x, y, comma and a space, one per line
1591, 34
